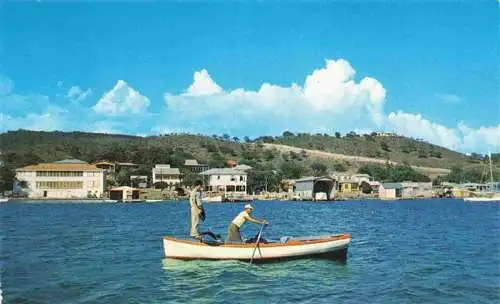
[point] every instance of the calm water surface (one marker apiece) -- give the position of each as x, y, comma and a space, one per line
428, 251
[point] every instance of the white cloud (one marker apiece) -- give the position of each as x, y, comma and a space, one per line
105, 126
54, 118
121, 100
482, 137
449, 98
329, 97
203, 85
76, 94
419, 127
329, 100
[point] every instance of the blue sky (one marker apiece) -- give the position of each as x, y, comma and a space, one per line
427, 70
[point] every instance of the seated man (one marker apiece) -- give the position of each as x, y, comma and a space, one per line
233, 234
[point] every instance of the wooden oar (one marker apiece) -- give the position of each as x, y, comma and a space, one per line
257, 243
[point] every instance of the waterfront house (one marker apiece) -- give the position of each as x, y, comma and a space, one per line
164, 173
192, 165
349, 184
226, 180
417, 189
315, 188
124, 193
390, 190
70, 178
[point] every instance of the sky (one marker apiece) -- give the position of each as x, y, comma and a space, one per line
424, 69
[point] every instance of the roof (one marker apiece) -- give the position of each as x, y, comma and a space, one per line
313, 178
122, 188
392, 185
70, 161
60, 167
243, 167
127, 164
167, 170
223, 171
104, 162
191, 162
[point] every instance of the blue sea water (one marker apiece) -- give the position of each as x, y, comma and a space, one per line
422, 251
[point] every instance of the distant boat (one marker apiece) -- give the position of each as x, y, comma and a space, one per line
154, 200
4, 199
494, 198
131, 201
493, 195
329, 247
213, 199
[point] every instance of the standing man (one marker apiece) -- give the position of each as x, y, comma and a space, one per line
233, 233
197, 211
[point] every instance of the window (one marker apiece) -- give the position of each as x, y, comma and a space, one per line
233, 179
218, 177
59, 173
230, 188
241, 178
59, 185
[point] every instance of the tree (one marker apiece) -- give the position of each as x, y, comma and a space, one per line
385, 146
160, 185
292, 169
246, 139
123, 177
236, 139
337, 135
226, 136
339, 166
287, 134
365, 187
319, 169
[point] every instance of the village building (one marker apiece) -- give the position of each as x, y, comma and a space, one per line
164, 173
390, 191
417, 189
226, 180
192, 165
124, 193
70, 178
315, 188
348, 184
108, 167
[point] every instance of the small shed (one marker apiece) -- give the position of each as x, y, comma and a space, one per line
315, 188
124, 193
390, 190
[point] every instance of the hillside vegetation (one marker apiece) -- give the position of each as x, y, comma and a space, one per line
271, 165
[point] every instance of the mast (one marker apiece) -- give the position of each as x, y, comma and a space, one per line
491, 173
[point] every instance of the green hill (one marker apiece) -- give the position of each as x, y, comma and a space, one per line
20, 148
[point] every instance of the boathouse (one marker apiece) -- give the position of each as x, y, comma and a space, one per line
315, 188
390, 191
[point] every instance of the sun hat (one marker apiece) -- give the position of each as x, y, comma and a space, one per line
248, 206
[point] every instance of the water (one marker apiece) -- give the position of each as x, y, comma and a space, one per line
439, 251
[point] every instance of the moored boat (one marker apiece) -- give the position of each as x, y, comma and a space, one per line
330, 246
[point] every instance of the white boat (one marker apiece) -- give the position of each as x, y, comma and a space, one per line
3, 199
494, 198
154, 200
213, 199
491, 196
330, 246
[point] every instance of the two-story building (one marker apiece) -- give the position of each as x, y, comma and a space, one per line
70, 178
226, 180
164, 173
192, 165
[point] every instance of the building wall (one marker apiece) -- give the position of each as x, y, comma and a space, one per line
221, 182
387, 193
91, 182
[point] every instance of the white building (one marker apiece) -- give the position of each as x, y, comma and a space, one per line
69, 178
226, 180
164, 173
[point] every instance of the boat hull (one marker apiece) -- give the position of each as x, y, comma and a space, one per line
331, 247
